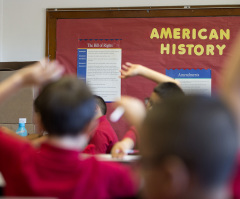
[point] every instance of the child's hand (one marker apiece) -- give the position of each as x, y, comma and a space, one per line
119, 149
40, 73
130, 70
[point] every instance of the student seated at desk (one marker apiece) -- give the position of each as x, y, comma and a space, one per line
66, 108
104, 137
167, 88
188, 147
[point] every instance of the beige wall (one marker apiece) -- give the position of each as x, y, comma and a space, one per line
23, 36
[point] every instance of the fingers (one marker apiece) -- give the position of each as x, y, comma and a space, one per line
123, 74
50, 71
128, 63
119, 155
43, 62
54, 70
125, 67
118, 152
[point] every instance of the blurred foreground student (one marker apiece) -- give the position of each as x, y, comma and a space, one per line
66, 108
230, 90
104, 137
167, 88
188, 148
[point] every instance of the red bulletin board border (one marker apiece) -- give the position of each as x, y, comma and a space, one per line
55, 16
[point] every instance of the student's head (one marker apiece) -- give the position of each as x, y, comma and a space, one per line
101, 107
65, 107
164, 91
188, 143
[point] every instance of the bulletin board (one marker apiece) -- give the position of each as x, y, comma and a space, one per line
161, 38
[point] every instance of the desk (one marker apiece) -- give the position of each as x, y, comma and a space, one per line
109, 158
33, 136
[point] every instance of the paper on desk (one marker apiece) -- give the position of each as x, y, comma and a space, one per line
109, 158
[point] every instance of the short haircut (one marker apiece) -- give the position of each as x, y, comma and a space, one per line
101, 103
199, 130
65, 106
168, 90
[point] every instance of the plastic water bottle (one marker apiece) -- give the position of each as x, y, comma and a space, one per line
22, 131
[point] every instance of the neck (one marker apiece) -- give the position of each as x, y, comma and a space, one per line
218, 193
70, 143
98, 115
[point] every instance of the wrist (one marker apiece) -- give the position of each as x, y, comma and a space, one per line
142, 70
17, 80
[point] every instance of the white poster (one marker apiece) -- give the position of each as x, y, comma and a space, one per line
194, 81
100, 68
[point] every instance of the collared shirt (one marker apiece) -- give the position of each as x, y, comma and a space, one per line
104, 137
50, 171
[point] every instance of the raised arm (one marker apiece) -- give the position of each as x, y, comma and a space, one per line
130, 70
134, 113
34, 75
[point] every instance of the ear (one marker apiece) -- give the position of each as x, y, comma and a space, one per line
98, 112
177, 176
90, 128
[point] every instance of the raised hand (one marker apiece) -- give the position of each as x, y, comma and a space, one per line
35, 75
40, 73
130, 70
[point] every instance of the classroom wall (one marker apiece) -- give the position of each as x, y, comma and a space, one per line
22, 22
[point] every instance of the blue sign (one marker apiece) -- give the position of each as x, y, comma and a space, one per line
189, 73
82, 64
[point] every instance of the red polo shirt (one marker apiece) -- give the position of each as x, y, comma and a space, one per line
132, 134
236, 181
104, 137
50, 171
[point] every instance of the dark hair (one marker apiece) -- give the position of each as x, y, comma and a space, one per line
168, 90
65, 106
199, 130
101, 103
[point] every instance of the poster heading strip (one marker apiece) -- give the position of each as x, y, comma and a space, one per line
189, 73
99, 43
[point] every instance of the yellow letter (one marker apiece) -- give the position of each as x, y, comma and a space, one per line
225, 34
174, 49
176, 33
185, 33
198, 46
200, 33
213, 34
210, 49
166, 33
194, 34
181, 49
163, 48
221, 48
154, 33
190, 47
